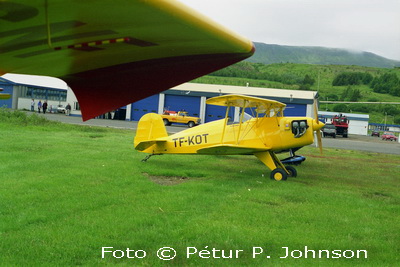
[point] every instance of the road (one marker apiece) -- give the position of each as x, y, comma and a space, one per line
363, 143
354, 142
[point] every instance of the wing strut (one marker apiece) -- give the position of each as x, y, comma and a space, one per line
226, 122
241, 120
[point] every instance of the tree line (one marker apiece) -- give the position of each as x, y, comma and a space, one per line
251, 71
388, 83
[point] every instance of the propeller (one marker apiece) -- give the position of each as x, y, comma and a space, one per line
317, 125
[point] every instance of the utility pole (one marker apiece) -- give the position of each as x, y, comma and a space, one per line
385, 120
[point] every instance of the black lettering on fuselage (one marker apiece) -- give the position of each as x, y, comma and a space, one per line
191, 140
175, 139
181, 140
199, 139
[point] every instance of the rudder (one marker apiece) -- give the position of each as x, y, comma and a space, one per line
150, 127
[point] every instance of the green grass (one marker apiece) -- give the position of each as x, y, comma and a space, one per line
67, 191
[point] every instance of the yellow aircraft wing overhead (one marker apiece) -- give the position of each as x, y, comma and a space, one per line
242, 101
112, 53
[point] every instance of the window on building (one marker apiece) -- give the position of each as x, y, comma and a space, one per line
53, 95
26, 91
39, 93
63, 96
43, 94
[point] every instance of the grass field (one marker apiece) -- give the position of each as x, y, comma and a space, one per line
67, 191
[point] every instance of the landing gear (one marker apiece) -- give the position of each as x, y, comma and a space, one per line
292, 171
279, 171
278, 174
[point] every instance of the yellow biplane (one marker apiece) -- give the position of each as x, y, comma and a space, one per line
264, 135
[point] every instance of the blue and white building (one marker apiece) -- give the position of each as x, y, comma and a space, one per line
192, 98
188, 96
358, 123
24, 88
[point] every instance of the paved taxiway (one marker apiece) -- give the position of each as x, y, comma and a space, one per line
354, 142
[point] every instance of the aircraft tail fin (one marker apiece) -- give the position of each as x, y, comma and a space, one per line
150, 128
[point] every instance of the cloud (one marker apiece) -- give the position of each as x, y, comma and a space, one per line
368, 25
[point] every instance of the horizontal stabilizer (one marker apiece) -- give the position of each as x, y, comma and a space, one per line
230, 150
146, 144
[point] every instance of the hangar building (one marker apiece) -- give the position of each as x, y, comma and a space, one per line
192, 98
188, 96
24, 88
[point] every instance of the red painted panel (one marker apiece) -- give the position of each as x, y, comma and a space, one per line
101, 90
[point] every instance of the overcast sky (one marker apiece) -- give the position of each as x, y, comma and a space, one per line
359, 25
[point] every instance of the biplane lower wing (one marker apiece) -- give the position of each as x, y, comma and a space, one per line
225, 149
112, 53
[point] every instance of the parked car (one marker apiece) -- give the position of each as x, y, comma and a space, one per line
179, 117
375, 133
389, 136
61, 109
329, 130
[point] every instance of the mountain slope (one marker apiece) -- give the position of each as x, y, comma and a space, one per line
272, 53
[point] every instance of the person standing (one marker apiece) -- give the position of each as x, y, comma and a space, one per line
39, 105
44, 107
68, 110
33, 105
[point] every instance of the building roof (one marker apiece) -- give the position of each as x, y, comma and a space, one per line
5, 81
350, 116
34, 80
271, 93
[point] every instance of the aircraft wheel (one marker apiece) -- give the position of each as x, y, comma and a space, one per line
292, 171
278, 174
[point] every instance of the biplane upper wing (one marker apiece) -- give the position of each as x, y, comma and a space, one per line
262, 105
112, 53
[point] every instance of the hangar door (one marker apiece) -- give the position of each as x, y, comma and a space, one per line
144, 106
295, 110
182, 102
214, 113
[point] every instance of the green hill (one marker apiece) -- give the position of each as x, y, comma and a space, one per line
318, 78
271, 53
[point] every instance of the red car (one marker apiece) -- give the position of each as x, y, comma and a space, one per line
389, 136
